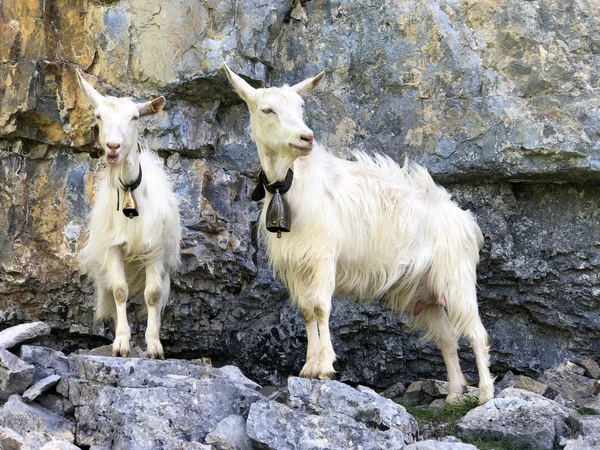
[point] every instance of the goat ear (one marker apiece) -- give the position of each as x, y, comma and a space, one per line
243, 89
92, 94
151, 107
304, 87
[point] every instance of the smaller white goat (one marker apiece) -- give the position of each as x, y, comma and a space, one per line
369, 228
125, 254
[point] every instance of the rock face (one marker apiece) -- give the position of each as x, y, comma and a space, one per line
499, 101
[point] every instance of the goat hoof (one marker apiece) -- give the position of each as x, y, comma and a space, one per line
327, 376
485, 395
156, 355
154, 349
308, 371
121, 347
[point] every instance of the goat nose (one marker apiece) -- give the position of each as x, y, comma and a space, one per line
113, 145
308, 137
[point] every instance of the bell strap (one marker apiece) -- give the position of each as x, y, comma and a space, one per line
277, 186
132, 186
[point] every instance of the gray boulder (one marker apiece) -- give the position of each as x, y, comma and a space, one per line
432, 444
147, 403
276, 426
330, 414
230, 434
362, 404
40, 387
25, 332
526, 419
45, 360
590, 367
15, 375
44, 441
569, 380
10, 439
25, 418
587, 432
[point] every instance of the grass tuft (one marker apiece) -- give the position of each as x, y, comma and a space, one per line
482, 444
443, 419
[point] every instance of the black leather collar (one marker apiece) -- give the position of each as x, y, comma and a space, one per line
262, 183
133, 186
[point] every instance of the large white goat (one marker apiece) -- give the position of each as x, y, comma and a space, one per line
368, 228
125, 254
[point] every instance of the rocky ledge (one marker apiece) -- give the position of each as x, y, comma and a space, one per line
91, 401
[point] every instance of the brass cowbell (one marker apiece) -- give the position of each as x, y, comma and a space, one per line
278, 215
129, 205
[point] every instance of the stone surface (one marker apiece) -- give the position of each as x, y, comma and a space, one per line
15, 375
40, 387
230, 434
531, 385
145, 403
25, 332
588, 432
273, 425
431, 444
329, 414
439, 389
361, 404
45, 441
498, 99
525, 419
414, 393
25, 418
46, 361
592, 370
569, 381
10, 439
395, 390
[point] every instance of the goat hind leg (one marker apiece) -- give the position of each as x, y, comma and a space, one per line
439, 326
311, 366
479, 343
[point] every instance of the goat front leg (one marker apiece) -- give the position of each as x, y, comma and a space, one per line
326, 353
311, 367
156, 295
116, 273
315, 302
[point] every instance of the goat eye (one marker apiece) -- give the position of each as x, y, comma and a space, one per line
268, 111
98, 117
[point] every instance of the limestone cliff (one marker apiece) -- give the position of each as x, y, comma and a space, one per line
499, 100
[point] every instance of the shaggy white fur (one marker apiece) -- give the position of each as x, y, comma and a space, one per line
125, 256
368, 228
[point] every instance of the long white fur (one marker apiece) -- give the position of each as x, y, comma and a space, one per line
125, 256
368, 228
